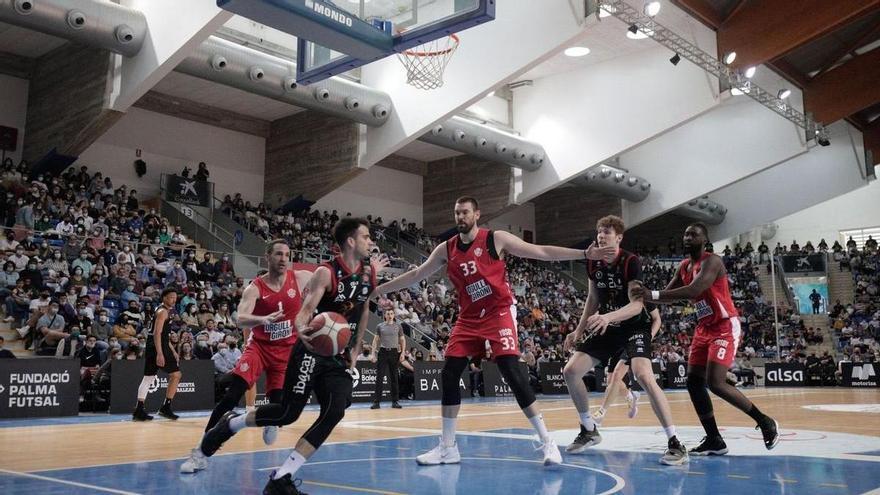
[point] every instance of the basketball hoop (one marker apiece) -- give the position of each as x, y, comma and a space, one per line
425, 63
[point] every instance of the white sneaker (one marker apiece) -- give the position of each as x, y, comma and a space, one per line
270, 434
23, 331
632, 399
552, 455
195, 462
599, 415
441, 454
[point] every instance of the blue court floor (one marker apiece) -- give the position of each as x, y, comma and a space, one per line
497, 462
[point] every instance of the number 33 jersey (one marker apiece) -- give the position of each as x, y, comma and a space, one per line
479, 276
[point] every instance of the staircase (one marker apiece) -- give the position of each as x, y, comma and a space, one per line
820, 322
840, 284
13, 342
765, 280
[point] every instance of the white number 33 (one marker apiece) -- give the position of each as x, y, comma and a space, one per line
469, 268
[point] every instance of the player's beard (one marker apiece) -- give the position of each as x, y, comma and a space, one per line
464, 227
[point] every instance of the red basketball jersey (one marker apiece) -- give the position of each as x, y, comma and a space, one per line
714, 304
479, 278
287, 299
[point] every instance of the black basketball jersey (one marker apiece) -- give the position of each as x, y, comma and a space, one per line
612, 280
166, 328
351, 290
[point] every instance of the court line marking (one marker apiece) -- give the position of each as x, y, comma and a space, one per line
619, 484
833, 485
65, 482
351, 488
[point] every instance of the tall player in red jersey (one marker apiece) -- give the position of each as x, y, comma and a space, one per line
475, 265
702, 278
268, 307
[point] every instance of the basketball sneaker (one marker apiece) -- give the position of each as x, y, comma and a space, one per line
710, 446
632, 398
441, 454
166, 412
284, 485
552, 456
140, 414
218, 435
195, 462
676, 454
770, 429
270, 434
584, 440
599, 415
396, 405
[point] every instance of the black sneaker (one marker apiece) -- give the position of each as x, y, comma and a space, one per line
396, 405
166, 412
584, 440
676, 454
140, 414
710, 446
770, 429
283, 486
218, 435
375, 405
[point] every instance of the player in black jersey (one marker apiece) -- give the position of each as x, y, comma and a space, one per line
159, 355
343, 286
617, 322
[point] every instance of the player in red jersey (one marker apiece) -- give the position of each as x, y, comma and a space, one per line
268, 307
702, 278
475, 265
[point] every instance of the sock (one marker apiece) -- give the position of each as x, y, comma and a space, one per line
448, 436
144, 387
293, 462
670, 431
537, 422
250, 408
167, 402
756, 414
710, 426
587, 421
238, 423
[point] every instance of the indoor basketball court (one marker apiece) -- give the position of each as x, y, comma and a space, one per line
737, 114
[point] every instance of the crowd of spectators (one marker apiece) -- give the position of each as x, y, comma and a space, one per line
857, 325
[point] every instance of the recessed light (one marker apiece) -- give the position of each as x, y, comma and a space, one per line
750, 72
783, 93
652, 8
577, 51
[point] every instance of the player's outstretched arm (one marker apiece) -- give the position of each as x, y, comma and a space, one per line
710, 269
507, 242
434, 262
246, 317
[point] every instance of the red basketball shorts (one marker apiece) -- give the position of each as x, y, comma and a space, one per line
259, 357
468, 338
717, 342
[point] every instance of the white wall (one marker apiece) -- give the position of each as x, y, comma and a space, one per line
390, 194
856, 209
13, 109
516, 221
236, 160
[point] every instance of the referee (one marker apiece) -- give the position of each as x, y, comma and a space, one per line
389, 343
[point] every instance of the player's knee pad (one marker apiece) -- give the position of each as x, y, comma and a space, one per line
517, 379
450, 377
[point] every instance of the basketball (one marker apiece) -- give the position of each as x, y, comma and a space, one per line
329, 332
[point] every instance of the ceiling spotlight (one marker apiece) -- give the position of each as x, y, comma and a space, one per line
729, 57
675, 59
750, 72
651, 8
633, 29
783, 93
634, 33
822, 136
577, 51
734, 91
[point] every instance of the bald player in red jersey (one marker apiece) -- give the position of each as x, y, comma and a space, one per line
702, 279
268, 307
475, 265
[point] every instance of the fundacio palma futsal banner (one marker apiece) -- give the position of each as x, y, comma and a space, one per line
34, 388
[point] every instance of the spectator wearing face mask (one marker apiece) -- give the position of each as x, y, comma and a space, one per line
93, 291
124, 331
84, 263
8, 278
101, 328
202, 349
24, 216
215, 336
50, 327
175, 276
19, 259
8, 243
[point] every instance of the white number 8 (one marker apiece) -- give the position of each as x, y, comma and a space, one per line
722, 352
469, 268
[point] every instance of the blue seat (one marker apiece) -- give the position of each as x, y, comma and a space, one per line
111, 303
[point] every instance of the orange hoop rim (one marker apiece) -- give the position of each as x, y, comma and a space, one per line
454, 37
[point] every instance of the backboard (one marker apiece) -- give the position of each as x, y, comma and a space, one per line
337, 36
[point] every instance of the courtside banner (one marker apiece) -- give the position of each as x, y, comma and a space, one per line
364, 385
676, 375
494, 384
861, 375
784, 375
427, 382
195, 391
552, 381
658, 376
38, 388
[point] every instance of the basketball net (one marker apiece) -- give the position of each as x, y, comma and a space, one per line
425, 63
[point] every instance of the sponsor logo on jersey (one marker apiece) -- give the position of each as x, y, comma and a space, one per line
291, 293
478, 252
600, 285
244, 366
279, 330
479, 290
306, 368
703, 309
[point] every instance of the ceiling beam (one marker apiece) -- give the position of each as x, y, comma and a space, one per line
862, 40
702, 10
846, 89
763, 31
205, 114
736, 9
788, 71
16, 65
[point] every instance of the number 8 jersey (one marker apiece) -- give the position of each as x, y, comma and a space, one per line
479, 275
